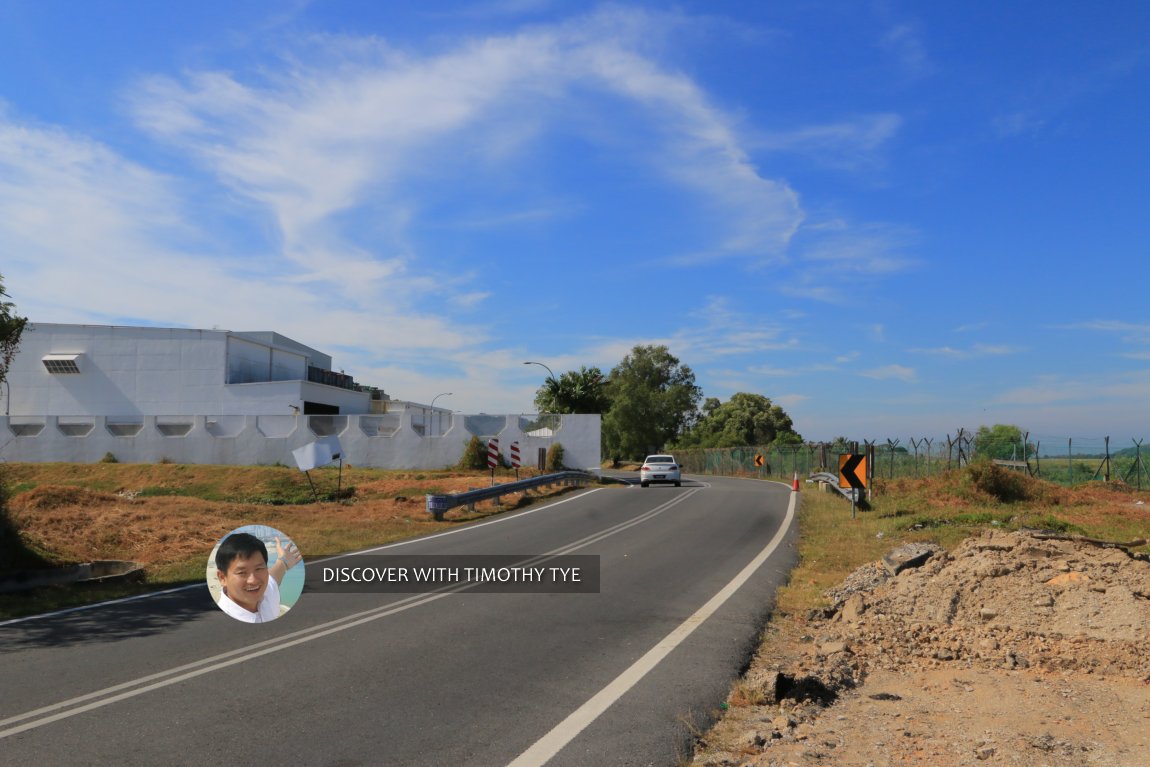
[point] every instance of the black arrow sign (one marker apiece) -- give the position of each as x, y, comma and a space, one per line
848, 471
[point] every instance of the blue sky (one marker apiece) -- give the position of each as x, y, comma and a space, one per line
894, 219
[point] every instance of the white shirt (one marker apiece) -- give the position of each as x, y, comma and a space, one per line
268, 608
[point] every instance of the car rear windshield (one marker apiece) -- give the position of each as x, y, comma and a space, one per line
661, 459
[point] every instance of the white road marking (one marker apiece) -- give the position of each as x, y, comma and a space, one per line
150, 594
563, 733
123, 691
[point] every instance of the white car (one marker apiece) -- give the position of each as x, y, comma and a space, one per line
660, 468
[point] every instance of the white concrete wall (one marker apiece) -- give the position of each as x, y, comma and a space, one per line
383, 441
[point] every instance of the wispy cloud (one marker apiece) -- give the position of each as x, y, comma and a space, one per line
362, 126
849, 144
891, 372
718, 330
1055, 389
905, 42
1016, 124
1130, 332
974, 352
70, 203
831, 257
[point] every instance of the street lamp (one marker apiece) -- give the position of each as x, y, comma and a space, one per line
540, 364
439, 420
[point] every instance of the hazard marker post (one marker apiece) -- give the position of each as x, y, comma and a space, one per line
493, 456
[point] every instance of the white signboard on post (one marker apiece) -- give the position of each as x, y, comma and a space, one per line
319, 453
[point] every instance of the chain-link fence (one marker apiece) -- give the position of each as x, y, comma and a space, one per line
1065, 460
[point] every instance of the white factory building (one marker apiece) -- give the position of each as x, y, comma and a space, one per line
143, 394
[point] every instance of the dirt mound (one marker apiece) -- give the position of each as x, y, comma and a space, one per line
1015, 648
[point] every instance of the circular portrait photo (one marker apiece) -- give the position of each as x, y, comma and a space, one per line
255, 573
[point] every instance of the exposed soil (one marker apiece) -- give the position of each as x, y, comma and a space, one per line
1012, 649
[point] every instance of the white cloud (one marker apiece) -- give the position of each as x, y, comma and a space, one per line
905, 43
891, 372
1129, 388
829, 258
328, 161
1016, 124
849, 144
362, 126
789, 401
1130, 332
974, 352
103, 238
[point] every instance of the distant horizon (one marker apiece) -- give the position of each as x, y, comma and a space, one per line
889, 219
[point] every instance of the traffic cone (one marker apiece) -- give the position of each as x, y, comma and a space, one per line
795, 486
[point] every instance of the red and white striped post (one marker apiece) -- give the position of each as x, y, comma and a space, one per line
493, 456
515, 462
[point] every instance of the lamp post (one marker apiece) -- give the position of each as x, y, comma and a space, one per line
540, 364
440, 419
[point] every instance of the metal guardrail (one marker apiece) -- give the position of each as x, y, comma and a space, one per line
438, 505
833, 480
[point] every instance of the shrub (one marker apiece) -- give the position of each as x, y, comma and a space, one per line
474, 456
555, 457
1003, 485
109, 457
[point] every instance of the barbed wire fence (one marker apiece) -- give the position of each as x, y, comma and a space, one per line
1065, 460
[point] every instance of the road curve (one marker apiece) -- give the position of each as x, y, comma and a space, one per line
619, 677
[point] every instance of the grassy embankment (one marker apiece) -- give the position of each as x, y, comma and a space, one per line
169, 516
945, 509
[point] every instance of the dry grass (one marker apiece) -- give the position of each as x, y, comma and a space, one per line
945, 509
169, 516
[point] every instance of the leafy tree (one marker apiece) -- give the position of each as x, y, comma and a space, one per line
13, 552
745, 419
11, 328
999, 441
654, 400
576, 391
839, 445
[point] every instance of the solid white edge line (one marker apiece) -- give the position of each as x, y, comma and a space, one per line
563, 733
78, 608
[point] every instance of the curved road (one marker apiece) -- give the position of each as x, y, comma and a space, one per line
619, 677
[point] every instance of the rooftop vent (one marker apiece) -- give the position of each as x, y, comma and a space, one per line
62, 364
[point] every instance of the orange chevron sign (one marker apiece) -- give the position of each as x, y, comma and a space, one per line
852, 470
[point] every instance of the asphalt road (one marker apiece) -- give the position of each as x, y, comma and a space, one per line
619, 677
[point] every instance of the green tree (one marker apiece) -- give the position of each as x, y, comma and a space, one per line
1002, 441
576, 391
654, 400
13, 553
11, 328
745, 419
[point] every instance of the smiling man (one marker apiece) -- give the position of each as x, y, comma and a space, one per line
250, 587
